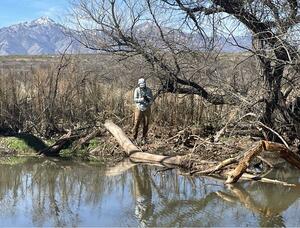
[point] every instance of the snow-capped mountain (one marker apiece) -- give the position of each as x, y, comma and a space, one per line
41, 36
194, 41
45, 36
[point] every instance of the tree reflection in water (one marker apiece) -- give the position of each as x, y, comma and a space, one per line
51, 194
69, 194
268, 201
176, 206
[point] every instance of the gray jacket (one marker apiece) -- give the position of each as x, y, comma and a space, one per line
143, 98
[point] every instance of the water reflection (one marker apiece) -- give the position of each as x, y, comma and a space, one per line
270, 201
50, 195
142, 194
71, 194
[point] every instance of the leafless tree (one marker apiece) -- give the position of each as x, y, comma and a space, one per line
131, 28
273, 25
116, 26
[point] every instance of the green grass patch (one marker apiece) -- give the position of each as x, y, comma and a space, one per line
23, 144
69, 153
14, 160
94, 143
82, 152
17, 144
66, 153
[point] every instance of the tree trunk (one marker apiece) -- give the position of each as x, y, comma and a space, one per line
135, 154
273, 78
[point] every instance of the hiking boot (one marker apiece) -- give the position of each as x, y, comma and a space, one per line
134, 137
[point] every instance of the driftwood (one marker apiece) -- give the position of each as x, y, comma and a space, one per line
234, 173
247, 176
244, 163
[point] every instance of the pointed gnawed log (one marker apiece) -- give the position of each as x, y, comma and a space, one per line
283, 152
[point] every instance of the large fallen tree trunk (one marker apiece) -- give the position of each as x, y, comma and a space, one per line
135, 154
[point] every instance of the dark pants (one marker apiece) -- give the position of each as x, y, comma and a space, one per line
141, 117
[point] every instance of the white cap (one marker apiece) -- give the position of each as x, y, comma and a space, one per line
142, 82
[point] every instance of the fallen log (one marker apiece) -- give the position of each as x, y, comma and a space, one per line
67, 140
244, 163
85, 139
135, 154
285, 153
63, 142
247, 176
220, 166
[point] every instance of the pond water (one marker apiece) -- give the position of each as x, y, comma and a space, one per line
74, 194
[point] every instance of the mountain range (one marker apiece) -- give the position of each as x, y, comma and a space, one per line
38, 37
45, 36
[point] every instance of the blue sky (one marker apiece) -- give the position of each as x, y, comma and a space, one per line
15, 11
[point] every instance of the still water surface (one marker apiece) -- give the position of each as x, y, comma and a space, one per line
69, 194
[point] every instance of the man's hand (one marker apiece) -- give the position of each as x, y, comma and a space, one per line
146, 99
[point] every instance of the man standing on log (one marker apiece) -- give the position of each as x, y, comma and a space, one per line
143, 99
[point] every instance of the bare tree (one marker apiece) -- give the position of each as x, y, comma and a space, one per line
273, 25
116, 26
131, 28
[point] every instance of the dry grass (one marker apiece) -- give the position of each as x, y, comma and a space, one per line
46, 96
42, 101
